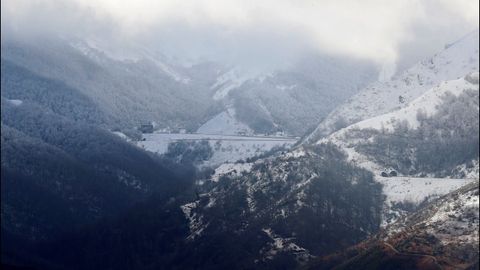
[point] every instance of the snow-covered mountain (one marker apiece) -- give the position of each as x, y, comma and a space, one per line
410, 150
286, 208
455, 99
128, 91
230, 80
433, 137
392, 148
441, 235
134, 84
99, 52
458, 59
293, 99
366, 161
58, 173
453, 218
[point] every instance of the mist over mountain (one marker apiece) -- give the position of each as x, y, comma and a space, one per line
239, 135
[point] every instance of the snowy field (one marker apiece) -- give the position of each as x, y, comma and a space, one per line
414, 190
226, 148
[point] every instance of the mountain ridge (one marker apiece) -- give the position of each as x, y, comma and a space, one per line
381, 97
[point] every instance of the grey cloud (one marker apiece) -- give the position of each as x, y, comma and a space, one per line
253, 33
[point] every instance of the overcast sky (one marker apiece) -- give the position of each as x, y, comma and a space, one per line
255, 31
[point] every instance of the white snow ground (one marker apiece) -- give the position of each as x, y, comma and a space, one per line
416, 189
232, 79
15, 102
456, 221
427, 102
121, 135
280, 244
227, 148
232, 169
413, 190
225, 123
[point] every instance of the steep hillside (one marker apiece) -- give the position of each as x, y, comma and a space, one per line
129, 91
18, 83
273, 217
59, 175
442, 235
137, 85
271, 213
296, 98
458, 59
69, 181
435, 134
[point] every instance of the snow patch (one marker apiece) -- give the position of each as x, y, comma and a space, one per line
195, 222
457, 219
230, 80
121, 135
15, 102
470, 171
231, 169
225, 123
286, 87
413, 190
297, 153
283, 245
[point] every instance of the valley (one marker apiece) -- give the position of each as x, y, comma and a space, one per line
239, 135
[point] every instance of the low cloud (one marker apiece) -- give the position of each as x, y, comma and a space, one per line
255, 33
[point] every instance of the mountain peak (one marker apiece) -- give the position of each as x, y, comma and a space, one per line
380, 97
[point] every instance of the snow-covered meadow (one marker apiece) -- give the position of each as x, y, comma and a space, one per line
226, 148
414, 190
